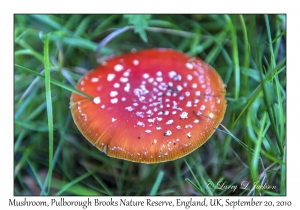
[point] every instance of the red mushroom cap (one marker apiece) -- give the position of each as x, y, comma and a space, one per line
149, 106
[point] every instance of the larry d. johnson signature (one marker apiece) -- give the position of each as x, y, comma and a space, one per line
244, 185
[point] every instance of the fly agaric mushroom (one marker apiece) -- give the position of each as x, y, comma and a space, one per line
149, 106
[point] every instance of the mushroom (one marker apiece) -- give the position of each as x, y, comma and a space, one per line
149, 106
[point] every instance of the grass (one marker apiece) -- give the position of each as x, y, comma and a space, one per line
52, 52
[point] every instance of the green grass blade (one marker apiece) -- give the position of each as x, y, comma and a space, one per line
57, 153
75, 181
246, 63
49, 107
76, 189
271, 115
55, 82
283, 176
235, 56
157, 183
103, 185
200, 189
273, 62
36, 175
279, 68
194, 186
255, 159
29, 52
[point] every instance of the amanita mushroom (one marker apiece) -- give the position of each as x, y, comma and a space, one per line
149, 106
